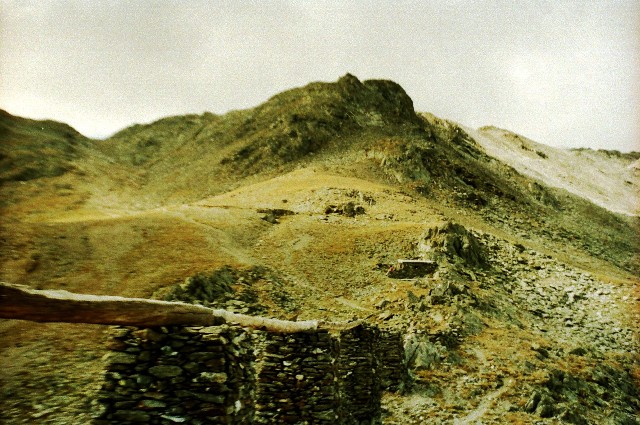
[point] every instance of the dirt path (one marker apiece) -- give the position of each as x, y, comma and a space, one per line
484, 406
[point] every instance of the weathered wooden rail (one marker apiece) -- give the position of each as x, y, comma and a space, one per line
24, 303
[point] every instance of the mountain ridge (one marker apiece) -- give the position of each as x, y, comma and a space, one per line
371, 129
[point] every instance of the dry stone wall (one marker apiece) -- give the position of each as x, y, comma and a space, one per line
231, 375
389, 351
195, 375
359, 382
297, 379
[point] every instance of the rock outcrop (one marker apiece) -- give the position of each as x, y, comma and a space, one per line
453, 242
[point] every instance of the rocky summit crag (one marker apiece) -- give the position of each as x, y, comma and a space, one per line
516, 290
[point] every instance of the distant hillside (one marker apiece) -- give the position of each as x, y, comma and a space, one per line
32, 149
205, 153
288, 126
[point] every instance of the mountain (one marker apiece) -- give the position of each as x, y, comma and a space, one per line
301, 206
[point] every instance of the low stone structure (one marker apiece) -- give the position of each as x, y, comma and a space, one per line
358, 377
232, 375
389, 351
296, 379
410, 269
163, 370
195, 375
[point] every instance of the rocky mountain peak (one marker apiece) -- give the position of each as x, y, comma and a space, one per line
383, 96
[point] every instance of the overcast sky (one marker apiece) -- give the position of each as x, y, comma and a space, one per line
564, 73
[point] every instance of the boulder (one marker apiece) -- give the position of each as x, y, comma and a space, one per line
421, 353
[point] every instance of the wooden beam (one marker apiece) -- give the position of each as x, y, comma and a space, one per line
24, 303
